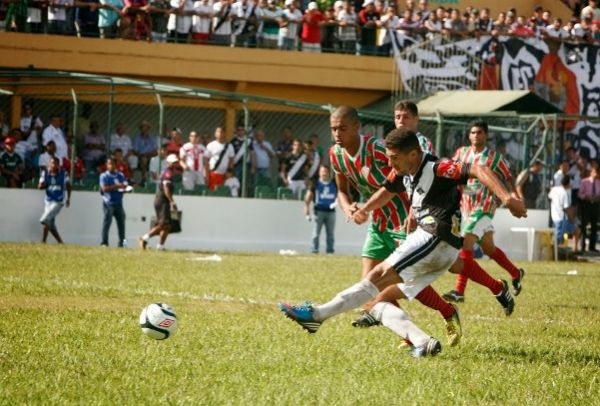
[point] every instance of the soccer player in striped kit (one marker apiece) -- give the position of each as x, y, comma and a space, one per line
478, 206
359, 161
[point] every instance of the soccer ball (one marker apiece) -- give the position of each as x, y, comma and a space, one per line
158, 321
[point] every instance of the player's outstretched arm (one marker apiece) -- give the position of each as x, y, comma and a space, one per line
490, 180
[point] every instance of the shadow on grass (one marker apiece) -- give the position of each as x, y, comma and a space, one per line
556, 357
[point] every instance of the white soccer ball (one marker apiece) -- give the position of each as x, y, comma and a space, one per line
158, 321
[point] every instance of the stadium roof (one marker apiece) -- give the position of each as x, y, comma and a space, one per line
468, 102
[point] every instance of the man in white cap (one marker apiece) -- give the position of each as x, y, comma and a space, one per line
311, 28
164, 203
288, 34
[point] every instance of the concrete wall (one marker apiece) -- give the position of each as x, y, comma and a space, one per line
211, 223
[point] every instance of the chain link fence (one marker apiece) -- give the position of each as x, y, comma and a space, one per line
82, 100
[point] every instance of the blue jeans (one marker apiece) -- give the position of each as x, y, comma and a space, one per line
327, 219
116, 211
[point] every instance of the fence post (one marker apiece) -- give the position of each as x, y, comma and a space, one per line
246, 146
161, 120
75, 133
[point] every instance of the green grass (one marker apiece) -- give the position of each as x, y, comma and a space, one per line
69, 334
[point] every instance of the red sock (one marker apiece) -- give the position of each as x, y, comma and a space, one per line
461, 283
431, 299
500, 257
473, 271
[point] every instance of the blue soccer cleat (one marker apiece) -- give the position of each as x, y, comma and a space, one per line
301, 314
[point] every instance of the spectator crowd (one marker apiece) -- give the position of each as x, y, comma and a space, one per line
366, 27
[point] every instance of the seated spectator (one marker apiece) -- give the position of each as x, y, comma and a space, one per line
108, 18
232, 183
175, 142
122, 141
144, 147
94, 147
12, 167
158, 163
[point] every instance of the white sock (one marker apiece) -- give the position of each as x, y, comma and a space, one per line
351, 298
159, 246
397, 320
146, 237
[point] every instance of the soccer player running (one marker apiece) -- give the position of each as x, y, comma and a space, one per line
478, 206
360, 162
427, 252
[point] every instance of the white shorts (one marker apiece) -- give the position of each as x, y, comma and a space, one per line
420, 260
477, 224
192, 178
51, 210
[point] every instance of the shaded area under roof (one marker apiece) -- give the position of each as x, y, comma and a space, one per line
468, 102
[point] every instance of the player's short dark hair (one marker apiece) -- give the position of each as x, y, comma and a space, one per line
346, 111
55, 159
481, 124
403, 140
408, 105
566, 179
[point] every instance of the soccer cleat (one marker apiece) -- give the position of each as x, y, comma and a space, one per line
517, 282
365, 320
506, 299
142, 243
453, 327
430, 348
454, 296
301, 314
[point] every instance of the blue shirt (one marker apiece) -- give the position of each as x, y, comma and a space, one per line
325, 194
55, 185
144, 145
108, 179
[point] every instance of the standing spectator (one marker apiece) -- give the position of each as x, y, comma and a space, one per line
201, 21
313, 161
433, 26
288, 33
563, 213
135, 21
180, 20
144, 147
529, 184
175, 142
163, 204
122, 141
112, 186
54, 133
55, 181
591, 10
232, 183
31, 125
49, 153
35, 21
367, 19
293, 169
563, 169
323, 194
94, 148
311, 28
390, 23
221, 154
16, 16
263, 152
329, 40
243, 147
556, 30
589, 197
574, 173
483, 22
194, 161
284, 146
57, 16
520, 28
500, 25
245, 24
86, 18
160, 10
4, 128
271, 18
108, 18
347, 31
454, 27
221, 29
12, 167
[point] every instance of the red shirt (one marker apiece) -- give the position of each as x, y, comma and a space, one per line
311, 29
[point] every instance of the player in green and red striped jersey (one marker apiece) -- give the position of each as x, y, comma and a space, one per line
478, 206
360, 161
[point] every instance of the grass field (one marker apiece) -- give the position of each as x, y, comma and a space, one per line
69, 334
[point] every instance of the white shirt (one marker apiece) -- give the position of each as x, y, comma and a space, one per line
52, 133
181, 23
560, 201
155, 167
120, 141
225, 27
557, 33
59, 13
263, 160
234, 184
294, 19
193, 156
202, 24
214, 149
237, 9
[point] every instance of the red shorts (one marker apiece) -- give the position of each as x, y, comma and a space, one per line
216, 179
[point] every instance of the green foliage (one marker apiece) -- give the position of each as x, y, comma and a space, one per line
69, 334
